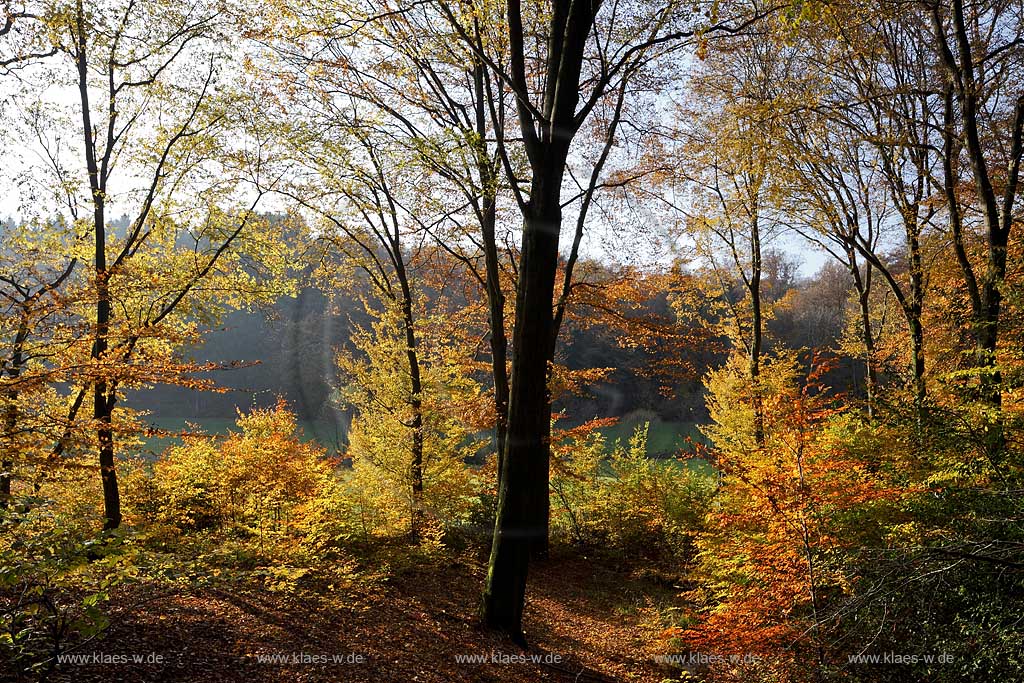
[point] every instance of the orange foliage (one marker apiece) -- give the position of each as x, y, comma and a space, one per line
785, 508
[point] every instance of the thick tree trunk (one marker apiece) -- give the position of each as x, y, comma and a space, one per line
917, 366
987, 336
914, 313
104, 395
103, 408
521, 523
990, 381
522, 518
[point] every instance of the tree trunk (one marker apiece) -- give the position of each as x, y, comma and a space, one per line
523, 499
496, 322
10, 423
914, 312
756, 331
987, 340
862, 285
103, 408
917, 358
415, 401
104, 396
11, 413
521, 523
492, 262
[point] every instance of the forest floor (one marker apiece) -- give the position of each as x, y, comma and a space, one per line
585, 621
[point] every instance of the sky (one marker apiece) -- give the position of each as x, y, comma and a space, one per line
639, 236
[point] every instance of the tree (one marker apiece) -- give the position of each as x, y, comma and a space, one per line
772, 585
979, 50
833, 194
154, 118
731, 162
433, 96
371, 207
877, 88
34, 279
588, 55
376, 382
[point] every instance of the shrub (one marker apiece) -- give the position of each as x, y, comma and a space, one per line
53, 586
622, 499
261, 479
378, 387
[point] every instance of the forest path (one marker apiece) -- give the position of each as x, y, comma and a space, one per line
585, 622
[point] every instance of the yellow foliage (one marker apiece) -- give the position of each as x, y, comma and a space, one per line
379, 387
261, 477
619, 497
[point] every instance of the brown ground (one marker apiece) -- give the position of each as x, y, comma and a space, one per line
597, 621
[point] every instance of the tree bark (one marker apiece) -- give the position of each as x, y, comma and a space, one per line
492, 265
862, 285
523, 499
522, 523
11, 413
104, 396
915, 308
917, 358
10, 423
103, 408
498, 341
416, 397
756, 331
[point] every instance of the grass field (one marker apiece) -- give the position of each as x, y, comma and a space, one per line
664, 438
323, 432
